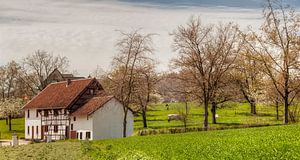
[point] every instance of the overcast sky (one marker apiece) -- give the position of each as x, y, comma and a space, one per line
85, 30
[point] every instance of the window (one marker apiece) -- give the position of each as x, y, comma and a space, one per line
80, 135
28, 113
71, 127
46, 113
74, 119
88, 135
46, 128
55, 113
28, 129
37, 113
37, 130
77, 135
91, 91
55, 128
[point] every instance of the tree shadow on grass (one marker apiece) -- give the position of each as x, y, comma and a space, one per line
151, 120
229, 123
257, 114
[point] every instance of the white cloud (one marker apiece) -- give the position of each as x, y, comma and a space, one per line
85, 31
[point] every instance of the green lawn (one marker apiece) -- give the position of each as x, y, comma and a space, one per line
17, 127
276, 142
231, 115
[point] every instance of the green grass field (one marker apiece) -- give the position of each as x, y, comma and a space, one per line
231, 115
275, 142
17, 127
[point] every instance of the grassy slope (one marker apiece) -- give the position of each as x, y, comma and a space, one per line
277, 142
255, 143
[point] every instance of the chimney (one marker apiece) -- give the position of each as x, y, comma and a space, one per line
69, 81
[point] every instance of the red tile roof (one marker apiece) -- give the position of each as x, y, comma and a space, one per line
92, 105
58, 95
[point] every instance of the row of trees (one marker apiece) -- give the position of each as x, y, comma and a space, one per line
19, 82
26, 78
214, 64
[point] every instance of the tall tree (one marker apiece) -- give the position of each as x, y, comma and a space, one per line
277, 47
145, 88
9, 79
134, 50
249, 78
38, 66
206, 53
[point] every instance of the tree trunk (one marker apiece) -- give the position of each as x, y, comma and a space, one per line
286, 110
253, 107
9, 120
6, 120
144, 117
277, 109
125, 122
213, 112
186, 115
205, 124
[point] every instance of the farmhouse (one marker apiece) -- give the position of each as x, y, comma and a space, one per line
57, 76
75, 109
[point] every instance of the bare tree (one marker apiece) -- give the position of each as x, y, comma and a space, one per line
145, 88
249, 77
38, 66
206, 53
134, 49
226, 91
277, 47
8, 81
272, 97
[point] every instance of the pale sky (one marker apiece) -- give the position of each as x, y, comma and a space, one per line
85, 30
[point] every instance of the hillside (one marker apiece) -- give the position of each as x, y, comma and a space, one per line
277, 142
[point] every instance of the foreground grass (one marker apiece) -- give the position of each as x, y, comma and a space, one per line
277, 142
255, 143
55, 151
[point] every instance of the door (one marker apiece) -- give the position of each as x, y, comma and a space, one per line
73, 135
32, 133
67, 132
42, 132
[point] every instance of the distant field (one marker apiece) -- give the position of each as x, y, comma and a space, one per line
231, 115
276, 142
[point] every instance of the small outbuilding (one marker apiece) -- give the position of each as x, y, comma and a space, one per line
75, 109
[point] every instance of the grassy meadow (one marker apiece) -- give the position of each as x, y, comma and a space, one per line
231, 115
274, 142
17, 127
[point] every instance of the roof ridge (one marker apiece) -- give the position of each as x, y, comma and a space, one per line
71, 80
81, 92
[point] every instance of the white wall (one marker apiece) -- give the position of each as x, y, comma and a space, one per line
82, 124
32, 121
108, 121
